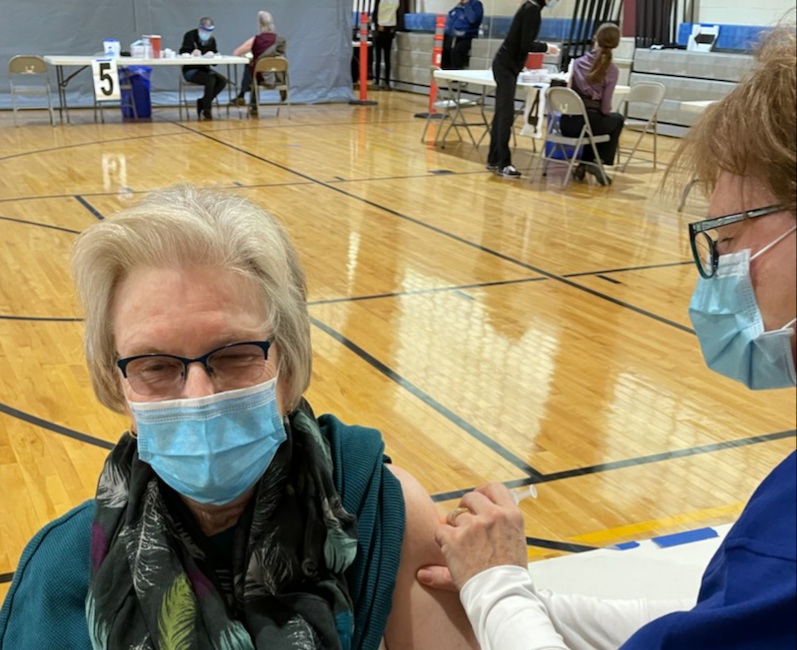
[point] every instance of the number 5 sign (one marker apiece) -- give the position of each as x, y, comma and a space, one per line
106, 79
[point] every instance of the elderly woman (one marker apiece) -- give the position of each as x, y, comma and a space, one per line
265, 43
743, 311
228, 516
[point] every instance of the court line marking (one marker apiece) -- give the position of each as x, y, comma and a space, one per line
450, 235
41, 225
55, 428
427, 399
631, 462
89, 207
601, 537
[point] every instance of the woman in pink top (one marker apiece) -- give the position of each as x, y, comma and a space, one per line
594, 78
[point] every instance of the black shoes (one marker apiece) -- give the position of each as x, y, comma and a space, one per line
580, 172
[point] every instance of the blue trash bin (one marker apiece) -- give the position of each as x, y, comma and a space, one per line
138, 80
553, 150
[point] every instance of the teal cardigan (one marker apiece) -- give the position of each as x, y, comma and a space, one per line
45, 605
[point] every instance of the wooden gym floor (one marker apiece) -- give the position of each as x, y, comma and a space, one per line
493, 330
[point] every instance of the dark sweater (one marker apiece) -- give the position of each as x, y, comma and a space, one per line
191, 42
521, 38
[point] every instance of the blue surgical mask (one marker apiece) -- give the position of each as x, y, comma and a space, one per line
551, 4
211, 449
730, 328
204, 36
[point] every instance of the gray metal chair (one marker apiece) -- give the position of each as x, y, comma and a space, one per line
650, 95
565, 101
183, 99
274, 70
27, 75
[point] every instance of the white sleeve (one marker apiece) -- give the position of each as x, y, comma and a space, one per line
508, 613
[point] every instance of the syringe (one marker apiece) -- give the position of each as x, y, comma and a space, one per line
524, 493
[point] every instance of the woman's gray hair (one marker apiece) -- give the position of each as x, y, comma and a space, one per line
265, 21
185, 226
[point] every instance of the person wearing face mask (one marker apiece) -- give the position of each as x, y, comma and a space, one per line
228, 515
744, 150
508, 63
201, 42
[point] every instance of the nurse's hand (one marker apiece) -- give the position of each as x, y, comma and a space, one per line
484, 531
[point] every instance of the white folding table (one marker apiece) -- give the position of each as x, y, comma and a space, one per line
61, 61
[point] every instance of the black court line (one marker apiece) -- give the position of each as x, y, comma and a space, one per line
450, 235
428, 400
56, 428
418, 292
569, 547
89, 207
623, 269
607, 278
6, 577
46, 319
41, 225
90, 143
629, 462
667, 455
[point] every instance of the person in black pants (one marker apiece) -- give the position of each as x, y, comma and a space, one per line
594, 78
507, 65
462, 26
200, 42
385, 19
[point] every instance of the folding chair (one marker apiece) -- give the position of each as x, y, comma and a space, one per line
651, 94
275, 77
565, 101
183, 99
33, 70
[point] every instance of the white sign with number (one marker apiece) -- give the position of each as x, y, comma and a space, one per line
106, 79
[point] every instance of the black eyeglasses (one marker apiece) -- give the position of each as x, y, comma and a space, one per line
704, 246
236, 365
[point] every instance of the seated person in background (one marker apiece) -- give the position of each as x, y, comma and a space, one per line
200, 42
744, 150
462, 26
228, 515
594, 78
265, 43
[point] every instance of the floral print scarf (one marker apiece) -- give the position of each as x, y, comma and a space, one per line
158, 583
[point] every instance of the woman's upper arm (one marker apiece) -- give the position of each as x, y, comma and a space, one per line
244, 47
421, 618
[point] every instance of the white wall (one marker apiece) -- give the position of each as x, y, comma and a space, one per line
733, 12
495, 7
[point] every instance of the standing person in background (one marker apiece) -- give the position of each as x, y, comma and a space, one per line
462, 26
200, 42
266, 43
743, 150
594, 78
385, 18
507, 65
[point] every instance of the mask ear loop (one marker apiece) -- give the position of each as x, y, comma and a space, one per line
774, 242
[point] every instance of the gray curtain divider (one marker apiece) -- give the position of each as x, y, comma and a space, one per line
318, 34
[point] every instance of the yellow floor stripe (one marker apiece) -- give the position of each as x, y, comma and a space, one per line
693, 519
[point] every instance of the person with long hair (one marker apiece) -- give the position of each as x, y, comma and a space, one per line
744, 152
265, 43
594, 78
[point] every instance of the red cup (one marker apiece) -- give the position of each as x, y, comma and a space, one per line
534, 60
155, 41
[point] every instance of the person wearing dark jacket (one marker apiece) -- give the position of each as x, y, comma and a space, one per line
200, 42
462, 26
507, 65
